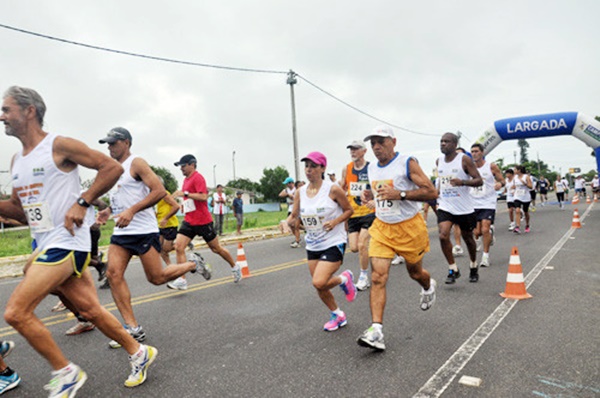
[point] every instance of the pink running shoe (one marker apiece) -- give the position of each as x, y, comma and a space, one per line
527, 230
335, 322
349, 288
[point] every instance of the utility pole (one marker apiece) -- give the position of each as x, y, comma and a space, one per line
539, 167
291, 80
233, 159
214, 176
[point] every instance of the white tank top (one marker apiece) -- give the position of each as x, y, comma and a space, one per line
394, 174
521, 190
290, 200
510, 190
315, 212
46, 194
128, 192
454, 200
484, 196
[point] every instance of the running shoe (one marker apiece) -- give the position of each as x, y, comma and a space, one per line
363, 282
6, 347
64, 384
478, 244
237, 273
137, 333
59, 307
201, 265
335, 322
452, 276
294, 244
517, 230
191, 245
372, 338
457, 251
493, 232
511, 226
349, 288
527, 229
102, 267
473, 275
80, 327
397, 260
140, 365
427, 299
104, 284
485, 262
178, 284
9, 382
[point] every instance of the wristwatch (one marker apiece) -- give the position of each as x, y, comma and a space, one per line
403, 195
81, 202
186, 194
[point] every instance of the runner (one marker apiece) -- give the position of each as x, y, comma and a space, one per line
510, 197
355, 179
289, 193
521, 185
456, 173
532, 192
166, 210
595, 186
580, 187
543, 185
560, 187
484, 200
197, 222
397, 186
324, 209
136, 230
46, 186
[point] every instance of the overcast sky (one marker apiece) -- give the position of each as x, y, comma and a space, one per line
431, 67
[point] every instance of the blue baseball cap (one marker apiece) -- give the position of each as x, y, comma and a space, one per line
288, 180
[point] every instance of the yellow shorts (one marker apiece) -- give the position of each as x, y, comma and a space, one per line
409, 239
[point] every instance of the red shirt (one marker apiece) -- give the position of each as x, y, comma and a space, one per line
197, 184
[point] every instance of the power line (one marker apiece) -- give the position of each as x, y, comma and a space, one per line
152, 57
363, 112
205, 65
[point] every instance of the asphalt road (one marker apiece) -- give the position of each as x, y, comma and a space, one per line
263, 337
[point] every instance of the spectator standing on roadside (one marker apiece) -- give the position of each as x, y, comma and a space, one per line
219, 208
238, 211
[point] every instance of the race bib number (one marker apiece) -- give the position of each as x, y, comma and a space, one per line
478, 192
357, 188
189, 206
521, 192
38, 217
387, 207
446, 189
312, 223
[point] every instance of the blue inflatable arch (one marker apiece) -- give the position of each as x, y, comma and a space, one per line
581, 126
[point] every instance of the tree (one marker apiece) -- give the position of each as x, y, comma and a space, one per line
167, 176
244, 184
271, 182
523, 145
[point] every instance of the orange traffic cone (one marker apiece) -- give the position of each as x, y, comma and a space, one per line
576, 223
241, 260
588, 200
515, 283
575, 200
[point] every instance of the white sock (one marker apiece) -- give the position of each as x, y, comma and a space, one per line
473, 264
344, 279
364, 272
377, 326
453, 267
338, 312
485, 255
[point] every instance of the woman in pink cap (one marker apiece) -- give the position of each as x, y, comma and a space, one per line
324, 209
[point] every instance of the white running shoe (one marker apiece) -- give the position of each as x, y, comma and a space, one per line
66, 383
427, 299
178, 284
512, 226
363, 282
398, 260
485, 262
140, 365
372, 338
457, 251
237, 273
493, 232
294, 245
478, 244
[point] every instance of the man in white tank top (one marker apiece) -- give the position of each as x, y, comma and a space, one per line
484, 200
397, 186
46, 188
136, 232
456, 174
288, 193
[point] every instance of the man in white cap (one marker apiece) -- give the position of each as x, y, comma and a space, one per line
355, 179
398, 185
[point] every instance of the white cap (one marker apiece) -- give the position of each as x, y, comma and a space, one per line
381, 131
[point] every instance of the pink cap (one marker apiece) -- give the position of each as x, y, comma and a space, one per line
316, 158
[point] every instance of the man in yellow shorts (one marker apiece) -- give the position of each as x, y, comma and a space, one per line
398, 184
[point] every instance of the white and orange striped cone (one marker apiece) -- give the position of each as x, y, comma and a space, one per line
575, 200
515, 282
588, 200
241, 260
576, 222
